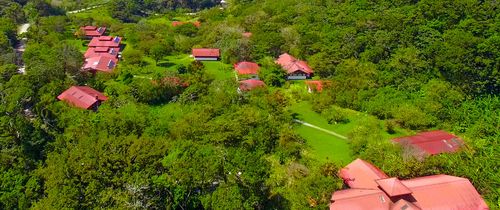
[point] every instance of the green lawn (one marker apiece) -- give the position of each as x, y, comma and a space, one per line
324, 146
219, 70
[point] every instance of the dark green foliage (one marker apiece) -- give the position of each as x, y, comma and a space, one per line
188, 140
272, 74
335, 115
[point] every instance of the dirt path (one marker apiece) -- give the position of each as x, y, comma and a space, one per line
320, 129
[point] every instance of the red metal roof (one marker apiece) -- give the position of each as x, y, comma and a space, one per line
102, 51
178, 23
247, 34
250, 84
93, 31
430, 192
432, 142
82, 96
444, 192
291, 64
206, 52
361, 174
403, 204
100, 63
359, 199
89, 27
105, 41
247, 67
393, 187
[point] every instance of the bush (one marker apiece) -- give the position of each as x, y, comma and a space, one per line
335, 115
390, 126
412, 117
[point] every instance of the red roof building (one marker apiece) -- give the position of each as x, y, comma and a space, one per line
431, 143
205, 54
100, 63
179, 23
93, 31
314, 86
247, 34
250, 84
105, 41
296, 69
370, 188
83, 97
361, 174
247, 68
102, 51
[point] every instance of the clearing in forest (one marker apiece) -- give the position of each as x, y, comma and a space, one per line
327, 147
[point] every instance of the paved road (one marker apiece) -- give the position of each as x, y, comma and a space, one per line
321, 129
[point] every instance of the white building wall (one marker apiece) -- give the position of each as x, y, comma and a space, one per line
205, 58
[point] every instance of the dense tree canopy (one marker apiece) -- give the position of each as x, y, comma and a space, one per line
179, 135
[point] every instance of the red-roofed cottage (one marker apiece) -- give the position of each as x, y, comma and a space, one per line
100, 63
179, 23
247, 68
83, 97
102, 51
92, 31
431, 143
250, 84
296, 69
105, 41
205, 54
370, 188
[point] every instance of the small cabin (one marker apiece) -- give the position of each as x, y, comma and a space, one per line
295, 69
83, 97
100, 63
206, 54
247, 69
92, 31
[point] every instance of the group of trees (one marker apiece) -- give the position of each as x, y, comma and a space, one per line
185, 140
134, 10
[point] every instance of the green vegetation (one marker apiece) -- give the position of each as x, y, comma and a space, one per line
175, 134
325, 147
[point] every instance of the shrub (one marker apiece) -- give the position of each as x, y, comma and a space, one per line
335, 115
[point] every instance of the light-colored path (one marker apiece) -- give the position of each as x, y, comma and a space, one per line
21, 29
321, 129
143, 77
83, 10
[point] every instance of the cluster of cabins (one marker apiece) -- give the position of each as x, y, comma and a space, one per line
248, 72
368, 187
102, 55
103, 51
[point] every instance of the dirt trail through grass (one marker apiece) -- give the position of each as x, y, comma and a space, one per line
321, 129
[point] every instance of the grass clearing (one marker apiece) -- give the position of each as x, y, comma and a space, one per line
326, 147
219, 69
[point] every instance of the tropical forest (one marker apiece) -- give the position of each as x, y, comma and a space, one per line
244, 104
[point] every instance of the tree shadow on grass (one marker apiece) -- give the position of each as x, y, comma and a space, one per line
165, 64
